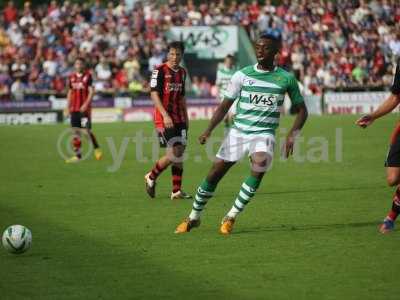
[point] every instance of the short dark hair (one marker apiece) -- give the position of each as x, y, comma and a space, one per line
83, 61
176, 45
274, 36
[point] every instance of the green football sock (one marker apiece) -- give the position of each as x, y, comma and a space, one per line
247, 191
204, 192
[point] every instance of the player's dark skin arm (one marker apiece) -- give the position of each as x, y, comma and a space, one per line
155, 97
219, 167
298, 124
217, 117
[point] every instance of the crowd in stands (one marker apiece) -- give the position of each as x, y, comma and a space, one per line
328, 44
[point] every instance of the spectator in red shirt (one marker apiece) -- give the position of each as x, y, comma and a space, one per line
254, 11
10, 13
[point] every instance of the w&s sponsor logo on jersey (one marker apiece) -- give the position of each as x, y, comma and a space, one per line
259, 99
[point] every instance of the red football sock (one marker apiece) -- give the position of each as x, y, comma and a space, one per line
176, 178
156, 171
395, 211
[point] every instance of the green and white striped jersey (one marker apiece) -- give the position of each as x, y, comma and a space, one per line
260, 97
224, 76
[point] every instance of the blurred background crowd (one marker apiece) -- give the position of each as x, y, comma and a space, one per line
328, 44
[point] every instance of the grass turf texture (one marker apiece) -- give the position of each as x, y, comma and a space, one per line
309, 233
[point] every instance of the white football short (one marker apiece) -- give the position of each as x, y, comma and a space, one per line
237, 144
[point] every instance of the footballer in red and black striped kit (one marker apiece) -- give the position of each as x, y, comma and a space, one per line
170, 118
393, 158
170, 86
80, 94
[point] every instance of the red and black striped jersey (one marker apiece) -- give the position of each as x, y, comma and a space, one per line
79, 84
395, 89
170, 85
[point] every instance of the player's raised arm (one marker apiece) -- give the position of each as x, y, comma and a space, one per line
230, 96
387, 106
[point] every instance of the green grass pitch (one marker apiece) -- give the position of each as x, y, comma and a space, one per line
309, 233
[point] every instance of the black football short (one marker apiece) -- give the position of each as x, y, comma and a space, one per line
393, 157
80, 120
169, 137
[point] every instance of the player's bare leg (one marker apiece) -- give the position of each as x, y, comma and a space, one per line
393, 179
176, 158
260, 162
204, 193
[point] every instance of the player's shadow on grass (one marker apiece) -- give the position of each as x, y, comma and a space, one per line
289, 227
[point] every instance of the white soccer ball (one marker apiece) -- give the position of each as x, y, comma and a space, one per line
17, 239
